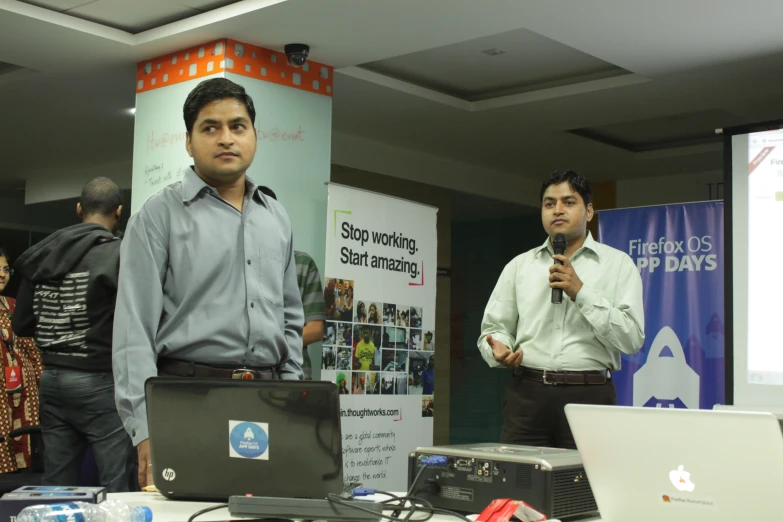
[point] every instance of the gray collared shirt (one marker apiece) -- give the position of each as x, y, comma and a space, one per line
201, 281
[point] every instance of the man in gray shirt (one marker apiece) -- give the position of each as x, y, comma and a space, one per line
207, 273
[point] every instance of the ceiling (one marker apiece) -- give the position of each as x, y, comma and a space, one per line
497, 65
616, 89
661, 133
134, 16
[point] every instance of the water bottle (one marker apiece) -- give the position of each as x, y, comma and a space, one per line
107, 511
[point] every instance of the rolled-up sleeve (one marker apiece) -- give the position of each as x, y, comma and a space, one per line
619, 325
293, 315
501, 315
143, 262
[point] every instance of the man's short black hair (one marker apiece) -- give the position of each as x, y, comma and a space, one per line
214, 90
100, 196
576, 181
268, 191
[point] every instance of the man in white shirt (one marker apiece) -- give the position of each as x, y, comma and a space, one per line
561, 353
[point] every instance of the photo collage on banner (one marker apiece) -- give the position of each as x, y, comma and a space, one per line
377, 348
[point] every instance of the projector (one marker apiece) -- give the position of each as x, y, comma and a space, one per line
468, 477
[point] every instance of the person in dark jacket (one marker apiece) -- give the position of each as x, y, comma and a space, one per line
66, 301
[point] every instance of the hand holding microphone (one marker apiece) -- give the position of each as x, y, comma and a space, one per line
559, 245
562, 277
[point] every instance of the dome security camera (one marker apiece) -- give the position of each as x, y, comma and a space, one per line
297, 54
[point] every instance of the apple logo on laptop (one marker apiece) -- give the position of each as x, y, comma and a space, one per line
681, 479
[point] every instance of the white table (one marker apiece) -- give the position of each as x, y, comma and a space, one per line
164, 510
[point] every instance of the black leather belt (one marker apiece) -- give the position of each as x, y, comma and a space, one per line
566, 378
191, 369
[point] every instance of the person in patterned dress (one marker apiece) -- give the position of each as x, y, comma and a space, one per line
20, 377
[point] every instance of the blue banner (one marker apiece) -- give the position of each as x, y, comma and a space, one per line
679, 252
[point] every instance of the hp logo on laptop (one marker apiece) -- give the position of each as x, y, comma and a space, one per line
169, 474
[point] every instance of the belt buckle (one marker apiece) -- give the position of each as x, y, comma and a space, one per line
548, 383
243, 373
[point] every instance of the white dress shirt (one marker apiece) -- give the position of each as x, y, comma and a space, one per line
606, 319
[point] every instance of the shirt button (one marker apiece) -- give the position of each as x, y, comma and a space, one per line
248, 261
253, 349
252, 305
557, 327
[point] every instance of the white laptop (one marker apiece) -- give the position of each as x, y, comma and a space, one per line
774, 410
674, 465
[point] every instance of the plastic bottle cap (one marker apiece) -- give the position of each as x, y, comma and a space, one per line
147, 513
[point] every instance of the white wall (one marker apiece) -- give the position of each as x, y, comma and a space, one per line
67, 182
347, 150
359, 153
663, 190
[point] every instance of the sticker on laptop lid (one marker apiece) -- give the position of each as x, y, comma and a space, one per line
682, 482
692, 501
248, 440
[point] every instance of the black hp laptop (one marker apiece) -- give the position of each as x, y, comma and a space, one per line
214, 438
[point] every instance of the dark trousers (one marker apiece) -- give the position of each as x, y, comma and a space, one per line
535, 415
77, 409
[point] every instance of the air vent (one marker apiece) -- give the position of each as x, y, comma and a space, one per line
524, 476
493, 52
571, 493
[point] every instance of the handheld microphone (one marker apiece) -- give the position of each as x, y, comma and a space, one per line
559, 245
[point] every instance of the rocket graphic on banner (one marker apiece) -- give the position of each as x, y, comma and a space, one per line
666, 379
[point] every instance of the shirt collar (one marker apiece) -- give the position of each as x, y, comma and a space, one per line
252, 189
193, 185
589, 244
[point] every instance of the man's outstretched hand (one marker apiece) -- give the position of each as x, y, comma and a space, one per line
503, 353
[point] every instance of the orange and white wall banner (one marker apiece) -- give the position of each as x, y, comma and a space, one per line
235, 57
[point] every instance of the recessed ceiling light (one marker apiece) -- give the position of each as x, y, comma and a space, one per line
493, 51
